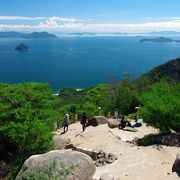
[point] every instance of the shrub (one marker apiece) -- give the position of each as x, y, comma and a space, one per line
122, 96
26, 117
161, 106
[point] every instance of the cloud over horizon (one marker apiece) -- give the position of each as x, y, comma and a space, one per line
63, 24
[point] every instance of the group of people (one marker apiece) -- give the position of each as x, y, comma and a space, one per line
123, 123
66, 122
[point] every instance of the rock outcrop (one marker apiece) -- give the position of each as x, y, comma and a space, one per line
176, 165
112, 123
60, 142
105, 158
168, 139
97, 120
4, 169
101, 158
63, 164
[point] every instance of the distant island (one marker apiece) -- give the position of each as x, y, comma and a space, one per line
34, 35
82, 33
22, 47
165, 33
40, 35
158, 40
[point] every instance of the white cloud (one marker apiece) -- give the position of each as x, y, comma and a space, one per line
55, 23
21, 18
173, 18
53, 18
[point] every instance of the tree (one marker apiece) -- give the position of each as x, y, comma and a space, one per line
26, 117
122, 96
161, 106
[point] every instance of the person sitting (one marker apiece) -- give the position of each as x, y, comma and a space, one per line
122, 124
138, 123
128, 124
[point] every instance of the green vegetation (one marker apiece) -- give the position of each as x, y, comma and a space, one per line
161, 106
49, 172
88, 100
122, 96
27, 112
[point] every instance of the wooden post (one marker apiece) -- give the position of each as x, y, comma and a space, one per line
76, 117
109, 115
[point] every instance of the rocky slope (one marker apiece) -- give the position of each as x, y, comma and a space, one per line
133, 162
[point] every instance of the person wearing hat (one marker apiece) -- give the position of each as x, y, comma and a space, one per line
66, 123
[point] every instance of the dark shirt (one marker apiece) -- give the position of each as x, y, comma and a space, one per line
83, 120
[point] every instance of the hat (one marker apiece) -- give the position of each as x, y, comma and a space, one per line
67, 115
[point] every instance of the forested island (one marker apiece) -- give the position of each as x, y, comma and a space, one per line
28, 112
158, 40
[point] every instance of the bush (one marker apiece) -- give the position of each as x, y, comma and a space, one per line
49, 172
26, 118
161, 106
122, 96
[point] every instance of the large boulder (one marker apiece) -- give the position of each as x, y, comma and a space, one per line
97, 120
176, 165
113, 123
58, 164
60, 142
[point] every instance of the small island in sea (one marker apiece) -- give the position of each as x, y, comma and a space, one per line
158, 40
22, 47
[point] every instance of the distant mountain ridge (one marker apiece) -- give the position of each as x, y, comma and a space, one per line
11, 34
34, 35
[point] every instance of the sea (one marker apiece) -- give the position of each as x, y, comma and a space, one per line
81, 62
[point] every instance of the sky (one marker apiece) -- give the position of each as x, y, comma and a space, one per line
103, 16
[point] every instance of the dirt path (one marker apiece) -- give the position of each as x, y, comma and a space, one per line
134, 163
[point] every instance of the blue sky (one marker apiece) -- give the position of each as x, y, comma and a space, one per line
90, 15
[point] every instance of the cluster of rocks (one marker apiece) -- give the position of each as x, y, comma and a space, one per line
4, 169
168, 139
104, 158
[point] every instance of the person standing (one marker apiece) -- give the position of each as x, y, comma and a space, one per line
66, 123
84, 121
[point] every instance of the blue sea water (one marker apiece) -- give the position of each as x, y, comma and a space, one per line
80, 62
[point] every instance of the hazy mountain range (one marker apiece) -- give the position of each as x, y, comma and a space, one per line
44, 34
34, 35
